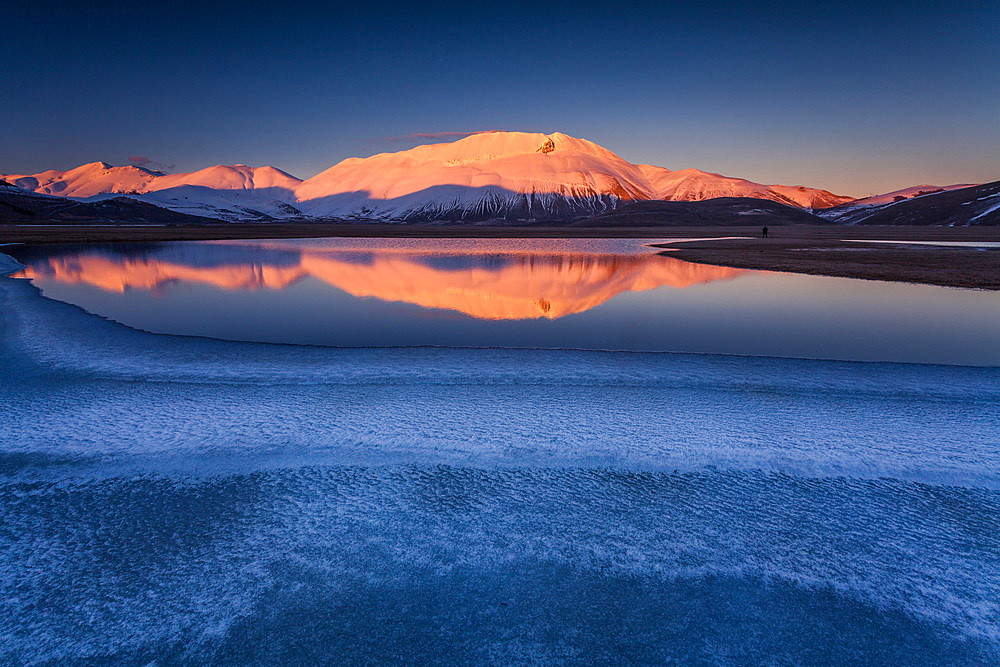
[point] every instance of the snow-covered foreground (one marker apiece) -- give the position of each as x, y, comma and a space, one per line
175, 500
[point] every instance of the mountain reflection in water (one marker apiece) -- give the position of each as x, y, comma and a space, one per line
467, 278
591, 294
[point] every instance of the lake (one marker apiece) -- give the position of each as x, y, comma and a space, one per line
606, 294
432, 481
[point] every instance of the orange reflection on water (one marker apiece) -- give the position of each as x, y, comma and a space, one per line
114, 274
513, 287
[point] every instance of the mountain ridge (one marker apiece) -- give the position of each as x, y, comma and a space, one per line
489, 177
949, 205
494, 175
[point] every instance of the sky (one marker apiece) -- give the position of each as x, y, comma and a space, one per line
856, 98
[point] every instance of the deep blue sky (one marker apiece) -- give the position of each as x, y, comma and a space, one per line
855, 98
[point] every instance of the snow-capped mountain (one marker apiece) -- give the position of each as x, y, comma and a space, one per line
87, 180
228, 192
99, 178
697, 185
494, 175
231, 177
516, 175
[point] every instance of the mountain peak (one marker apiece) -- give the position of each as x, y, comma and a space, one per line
497, 166
93, 166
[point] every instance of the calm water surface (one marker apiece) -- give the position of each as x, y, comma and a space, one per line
613, 294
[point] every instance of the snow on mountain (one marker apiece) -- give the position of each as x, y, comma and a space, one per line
493, 175
229, 177
234, 205
908, 193
86, 180
928, 205
228, 192
696, 185
812, 198
517, 174
854, 211
99, 178
496, 174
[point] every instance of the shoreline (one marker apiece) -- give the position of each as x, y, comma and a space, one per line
45, 234
9, 265
826, 250
946, 266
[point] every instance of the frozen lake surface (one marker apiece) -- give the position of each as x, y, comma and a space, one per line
168, 500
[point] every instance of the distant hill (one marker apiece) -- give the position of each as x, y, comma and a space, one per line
950, 206
19, 205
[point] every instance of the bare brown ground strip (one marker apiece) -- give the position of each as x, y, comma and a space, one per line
826, 254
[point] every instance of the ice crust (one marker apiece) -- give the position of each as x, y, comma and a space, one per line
186, 500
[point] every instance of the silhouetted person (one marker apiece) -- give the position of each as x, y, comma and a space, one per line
763, 233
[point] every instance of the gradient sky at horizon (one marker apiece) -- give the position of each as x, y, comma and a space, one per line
857, 98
